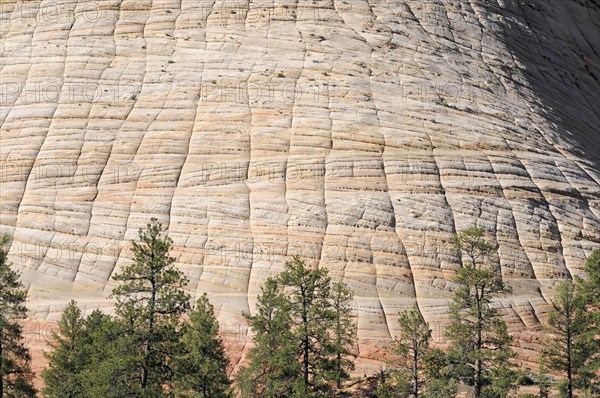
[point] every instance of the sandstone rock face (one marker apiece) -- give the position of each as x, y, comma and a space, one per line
358, 134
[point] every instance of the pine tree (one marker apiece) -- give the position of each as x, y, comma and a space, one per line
570, 348
543, 381
344, 333
419, 365
272, 368
150, 301
91, 358
589, 288
479, 337
16, 377
439, 381
590, 284
112, 361
202, 368
300, 349
308, 292
411, 345
67, 359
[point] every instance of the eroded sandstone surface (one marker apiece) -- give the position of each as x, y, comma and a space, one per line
358, 134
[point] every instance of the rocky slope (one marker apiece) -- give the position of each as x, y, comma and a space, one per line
358, 134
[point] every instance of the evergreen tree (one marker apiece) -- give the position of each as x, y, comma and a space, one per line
440, 383
543, 381
393, 383
16, 377
589, 287
308, 294
67, 360
478, 335
420, 366
111, 362
202, 368
150, 301
298, 351
344, 333
570, 349
272, 368
411, 345
91, 357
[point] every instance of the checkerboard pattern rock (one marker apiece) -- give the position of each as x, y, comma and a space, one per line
358, 134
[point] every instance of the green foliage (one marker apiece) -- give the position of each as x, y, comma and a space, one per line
300, 349
272, 367
421, 371
590, 285
201, 370
344, 334
90, 358
525, 378
16, 377
472, 246
67, 359
312, 317
543, 380
503, 381
571, 348
394, 383
589, 288
112, 359
440, 383
149, 301
411, 345
479, 349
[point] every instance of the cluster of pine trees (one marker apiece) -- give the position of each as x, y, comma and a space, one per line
145, 349
303, 336
16, 377
303, 345
479, 342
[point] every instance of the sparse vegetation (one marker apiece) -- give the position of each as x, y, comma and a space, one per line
299, 328
150, 301
479, 340
16, 377
201, 368
421, 370
304, 336
573, 346
144, 351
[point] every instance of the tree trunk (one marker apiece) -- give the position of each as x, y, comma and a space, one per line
569, 359
415, 370
147, 344
305, 341
339, 350
339, 370
478, 369
305, 359
1, 365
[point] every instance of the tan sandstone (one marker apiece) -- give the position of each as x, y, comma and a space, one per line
359, 134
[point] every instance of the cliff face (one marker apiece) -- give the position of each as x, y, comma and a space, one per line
358, 134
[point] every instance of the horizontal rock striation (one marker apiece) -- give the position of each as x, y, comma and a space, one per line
360, 135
